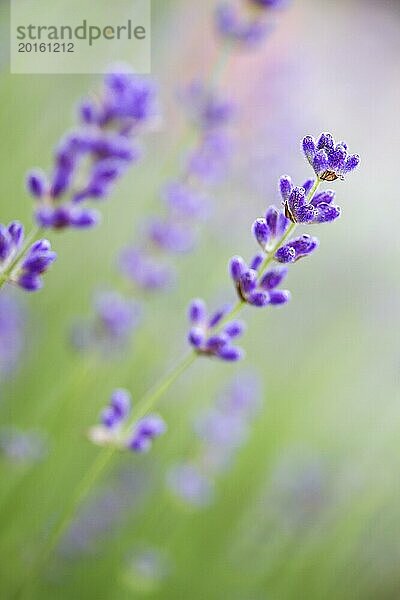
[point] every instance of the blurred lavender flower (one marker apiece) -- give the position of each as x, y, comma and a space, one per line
244, 29
205, 107
12, 329
111, 328
22, 446
221, 430
105, 140
28, 272
204, 337
105, 512
113, 428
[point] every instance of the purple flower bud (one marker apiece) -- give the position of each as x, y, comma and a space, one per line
261, 232
120, 402
196, 337
309, 148
217, 317
258, 299
326, 142
285, 187
87, 112
307, 185
84, 218
6, 243
352, 163
215, 342
273, 278
320, 162
230, 353
141, 445
326, 196
248, 281
278, 297
235, 329
151, 426
30, 282
109, 418
36, 184
16, 231
237, 267
257, 262
337, 159
326, 213
197, 311
285, 254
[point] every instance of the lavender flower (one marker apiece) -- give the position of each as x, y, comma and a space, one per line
110, 329
205, 337
243, 30
106, 140
144, 432
145, 271
256, 290
207, 109
257, 284
37, 260
300, 209
221, 430
330, 161
112, 430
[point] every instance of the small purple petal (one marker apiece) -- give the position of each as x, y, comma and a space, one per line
197, 311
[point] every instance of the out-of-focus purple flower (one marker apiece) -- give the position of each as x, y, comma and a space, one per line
207, 339
111, 328
104, 513
187, 482
330, 161
105, 144
209, 160
171, 236
22, 446
265, 4
221, 430
205, 107
147, 570
12, 329
185, 201
297, 248
36, 261
299, 208
242, 29
146, 271
145, 431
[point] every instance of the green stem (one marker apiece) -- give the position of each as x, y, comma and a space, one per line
103, 460
5, 276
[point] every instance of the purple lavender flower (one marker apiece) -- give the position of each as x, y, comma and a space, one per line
330, 161
12, 329
255, 289
20, 446
110, 330
301, 209
205, 107
297, 248
37, 260
145, 271
184, 201
118, 409
144, 432
171, 236
106, 141
209, 160
205, 337
240, 29
265, 4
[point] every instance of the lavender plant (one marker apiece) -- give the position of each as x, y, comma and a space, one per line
87, 163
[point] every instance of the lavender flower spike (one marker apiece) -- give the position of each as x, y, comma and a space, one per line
37, 260
300, 209
204, 337
330, 161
